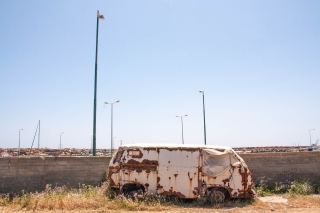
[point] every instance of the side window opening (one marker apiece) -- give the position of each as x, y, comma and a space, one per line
135, 153
118, 157
215, 161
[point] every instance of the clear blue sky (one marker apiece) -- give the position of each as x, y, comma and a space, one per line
257, 61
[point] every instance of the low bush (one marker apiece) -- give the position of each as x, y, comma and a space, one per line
301, 188
298, 187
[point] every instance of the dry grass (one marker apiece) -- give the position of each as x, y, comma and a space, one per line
85, 198
295, 204
99, 199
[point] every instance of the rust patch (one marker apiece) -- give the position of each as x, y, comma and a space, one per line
225, 181
139, 166
175, 175
181, 149
146, 186
112, 183
229, 189
190, 178
173, 193
159, 186
149, 149
112, 170
158, 179
247, 191
195, 191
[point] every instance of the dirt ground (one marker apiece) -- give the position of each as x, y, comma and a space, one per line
298, 204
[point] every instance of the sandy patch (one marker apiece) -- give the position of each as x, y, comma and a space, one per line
273, 199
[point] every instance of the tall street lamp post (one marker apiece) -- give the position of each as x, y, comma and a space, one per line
19, 143
99, 16
182, 125
204, 119
310, 135
60, 139
112, 122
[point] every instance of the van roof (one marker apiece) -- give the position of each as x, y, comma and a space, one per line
142, 145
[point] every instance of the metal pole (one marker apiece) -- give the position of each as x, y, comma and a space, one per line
204, 121
111, 128
182, 126
95, 87
39, 139
19, 143
182, 131
112, 122
60, 139
204, 118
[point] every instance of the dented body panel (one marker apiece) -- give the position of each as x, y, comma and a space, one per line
185, 171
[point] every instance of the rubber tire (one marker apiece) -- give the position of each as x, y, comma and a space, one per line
218, 194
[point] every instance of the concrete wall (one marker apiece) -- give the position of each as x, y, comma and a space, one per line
33, 173
284, 167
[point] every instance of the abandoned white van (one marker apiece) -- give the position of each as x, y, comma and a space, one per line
185, 171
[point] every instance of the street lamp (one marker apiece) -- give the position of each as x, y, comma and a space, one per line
99, 16
60, 139
19, 143
310, 135
112, 122
182, 125
204, 119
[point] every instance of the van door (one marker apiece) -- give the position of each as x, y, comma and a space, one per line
178, 172
139, 169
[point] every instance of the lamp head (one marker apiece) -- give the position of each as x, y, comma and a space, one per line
201, 91
100, 16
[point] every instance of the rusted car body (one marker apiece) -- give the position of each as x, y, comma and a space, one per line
185, 171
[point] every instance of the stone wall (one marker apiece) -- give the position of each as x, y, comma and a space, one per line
284, 167
33, 173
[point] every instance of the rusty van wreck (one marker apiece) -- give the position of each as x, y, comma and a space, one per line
185, 171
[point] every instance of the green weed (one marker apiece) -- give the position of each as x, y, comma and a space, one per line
301, 188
